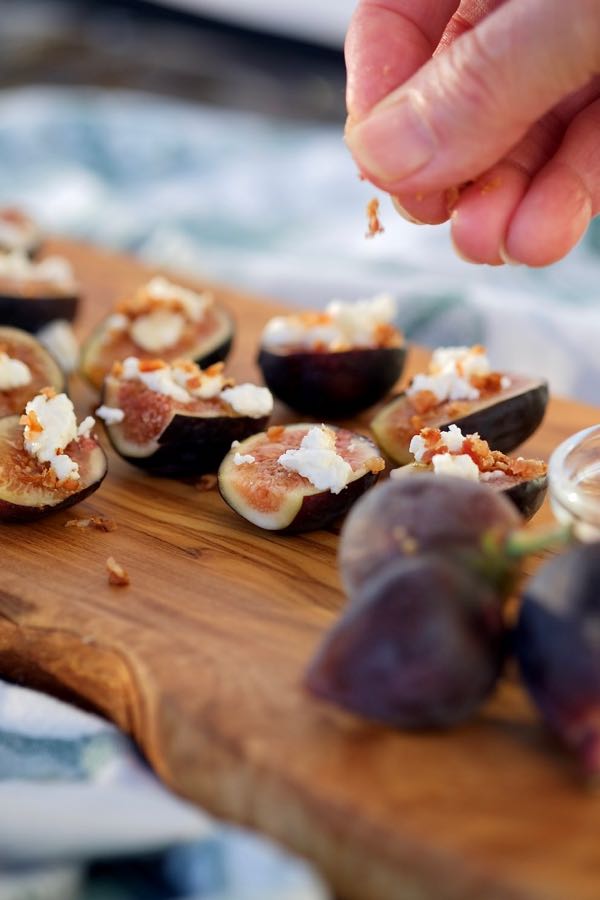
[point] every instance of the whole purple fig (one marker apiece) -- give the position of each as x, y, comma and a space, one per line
421, 645
557, 643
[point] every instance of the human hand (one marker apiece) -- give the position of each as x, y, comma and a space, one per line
501, 94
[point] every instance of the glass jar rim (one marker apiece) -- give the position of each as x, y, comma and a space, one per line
569, 463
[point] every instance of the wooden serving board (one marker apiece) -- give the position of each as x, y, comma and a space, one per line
201, 661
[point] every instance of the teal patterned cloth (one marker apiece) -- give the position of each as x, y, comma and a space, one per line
73, 789
274, 208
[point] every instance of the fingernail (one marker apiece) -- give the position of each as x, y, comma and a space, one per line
404, 213
503, 254
394, 141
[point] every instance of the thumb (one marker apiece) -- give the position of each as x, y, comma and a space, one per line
463, 110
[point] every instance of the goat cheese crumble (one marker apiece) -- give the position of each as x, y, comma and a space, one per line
14, 373
50, 426
317, 460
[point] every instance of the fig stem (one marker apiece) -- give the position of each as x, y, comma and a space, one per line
524, 542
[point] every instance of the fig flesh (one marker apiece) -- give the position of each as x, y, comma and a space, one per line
452, 517
557, 644
171, 439
331, 384
205, 342
24, 494
270, 496
18, 344
421, 645
505, 418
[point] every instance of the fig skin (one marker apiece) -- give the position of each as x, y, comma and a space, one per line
22, 345
332, 385
504, 422
557, 644
11, 512
315, 510
527, 495
192, 445
424, 514
421, 646
92, 349
31, 314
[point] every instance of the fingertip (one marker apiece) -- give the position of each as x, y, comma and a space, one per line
482, 213
419, 209
551, 219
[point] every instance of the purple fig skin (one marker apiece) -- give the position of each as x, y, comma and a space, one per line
332, 385
13, 514
423, 514
527, 494
504, 423
33, 314
421, 646
557, 644
321, 510
193, 445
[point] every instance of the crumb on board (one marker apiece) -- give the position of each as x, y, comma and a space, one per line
374, 226
116, 573
100, 523
206, 483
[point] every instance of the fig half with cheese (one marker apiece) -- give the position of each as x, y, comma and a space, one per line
298, 478
160, 319
335, 363
47, 461
33, 293
461, 389
25, 368
175, 419
523, 481
18, 232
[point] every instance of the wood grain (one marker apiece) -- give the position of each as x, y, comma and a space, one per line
201, 661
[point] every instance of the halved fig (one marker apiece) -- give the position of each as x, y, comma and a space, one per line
32, 294
18, 232
160, 319
524, 481
41, 369
25, 492
505, 418
176, 436
335, 363
329, 384
271, 492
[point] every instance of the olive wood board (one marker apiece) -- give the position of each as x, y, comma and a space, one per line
201, 660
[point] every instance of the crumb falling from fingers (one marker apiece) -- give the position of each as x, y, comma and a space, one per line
97, 522
116, 573
374, 225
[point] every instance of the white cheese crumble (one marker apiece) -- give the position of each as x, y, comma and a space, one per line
317, 460
161, 380
459, 464
14, 373
249, 400
117, 322
111, 415
194, 305
241, 458
16, 266
59, 338
449, 372
344, 324
58, 427
157, 330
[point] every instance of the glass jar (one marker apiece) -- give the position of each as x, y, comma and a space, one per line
574, 483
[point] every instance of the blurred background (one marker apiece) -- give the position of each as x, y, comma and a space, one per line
206, 135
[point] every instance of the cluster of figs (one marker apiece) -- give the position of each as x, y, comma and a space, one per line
427, 561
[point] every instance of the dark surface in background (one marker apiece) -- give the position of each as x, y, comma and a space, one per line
129, 44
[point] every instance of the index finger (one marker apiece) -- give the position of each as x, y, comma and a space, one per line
387, 41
